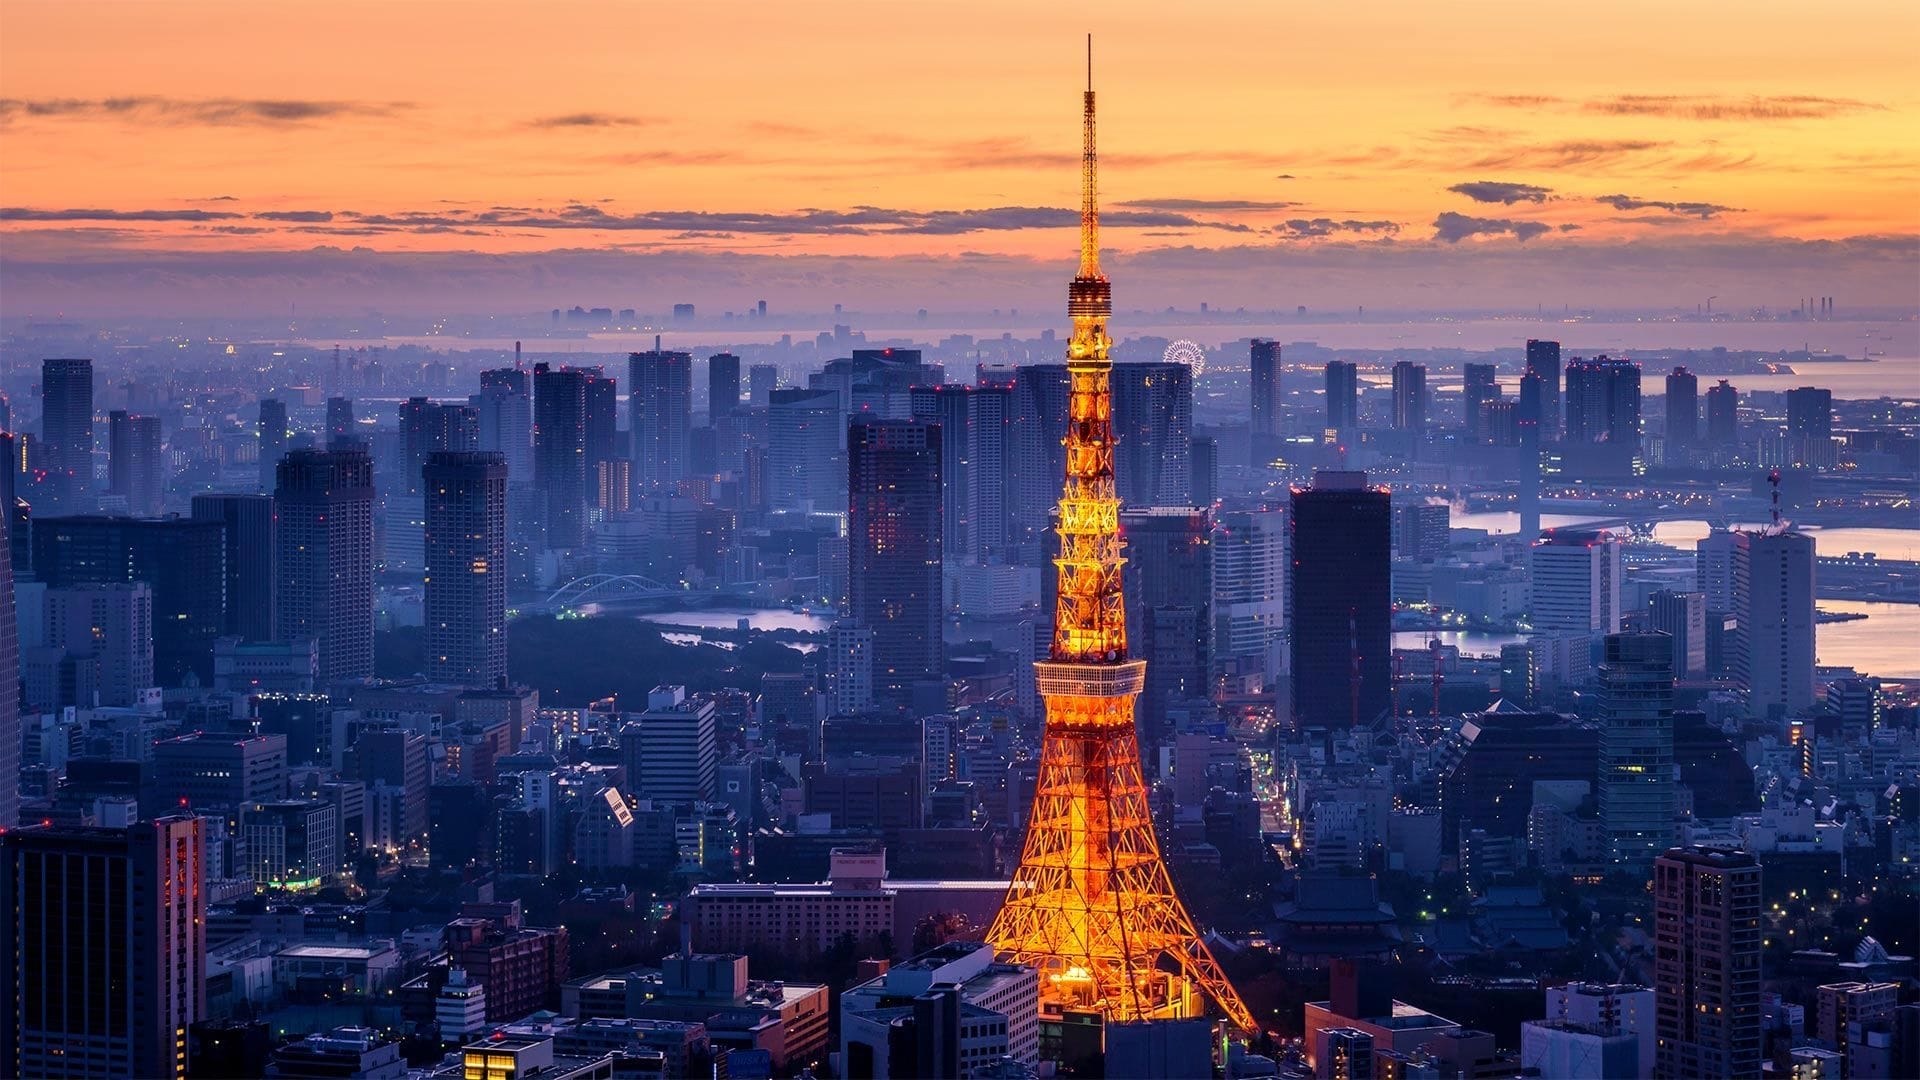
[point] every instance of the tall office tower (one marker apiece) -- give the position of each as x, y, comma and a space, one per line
1603, 401
1543, 360
105, 948
1706, 933
275, 433
466, 585
603, 420
112, 625
1720, 568
1409, 397
1723, 414
660, 404
1343, 395
1153, 433
1682, 616
671, 750
9, 676
1205, 470
848, 677
1264, 431
431, 427
505, 409
251, 555
974, 422
1250, 576
1341, 581
1039, 458
1683, 408
762, 380
182, 560
560, 452
1097, 913
1575, 583
805, 466
66, 434
1776, 621
723, 386
894, 532
135, 469
290, 843
340, 423
1500, 422
1422, 529
325, 503
1480, 387
1810, 412
1636, 748
390, 758
1169, 585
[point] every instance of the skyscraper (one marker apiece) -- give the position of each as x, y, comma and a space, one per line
660, 385
1479, 388
1169, 586
340, 420
894, 531
1543, 360
182, 560
325, 503
1341, 580
1097, 912
1249, 584
105, 948
1039, 457
723, 386
1264, 430
1343, 396
1683, 408
252, 553
274, 434
1636, 748
762, 379
135, 469
1409, 397
603, 422
672, 749
1603, 401
466, 582
1682, 616
805, 459
1777, 620
9, 677
112, 626
1574, 582
66, 434
974, 422
1810, 412
1153, 433
430, 427
1706, 934
560, 452
1723, 414
505, 409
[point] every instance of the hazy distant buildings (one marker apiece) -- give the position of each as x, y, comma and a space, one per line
466, 581
894, 533
136, 471
1636, 783
325, 503
660, 413
1341, 579
1603, 401
1479, 388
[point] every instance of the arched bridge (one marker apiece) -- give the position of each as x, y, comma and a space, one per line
600, 588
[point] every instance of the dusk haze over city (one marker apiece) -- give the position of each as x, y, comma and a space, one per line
629, 541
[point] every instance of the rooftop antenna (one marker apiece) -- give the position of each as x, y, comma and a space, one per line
1089, 62
516, 356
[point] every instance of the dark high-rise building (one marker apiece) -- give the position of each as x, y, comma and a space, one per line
1603, 401
974, 422
340, 420
894, 533
325, 505
274, 435
466, 584
252, 555
723, 386
1264, 431
660, 384
1343, 395
105, 942
9, 680
1409, 397
1205, 469
1168, 584
762, 380
1635, 786
1480, 387
1039, 457
1153, 434
1341, 577
1543, 360
805, 462
429, 427
603, 421
560, 452
506, 420
1810, 413
1706, 973
1683, 408
182, 560
135, 469
393, 763
1723, 414
66, 434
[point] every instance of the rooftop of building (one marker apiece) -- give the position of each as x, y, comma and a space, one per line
1405, 1017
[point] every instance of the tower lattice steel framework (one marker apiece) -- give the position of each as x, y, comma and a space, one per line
1092, 905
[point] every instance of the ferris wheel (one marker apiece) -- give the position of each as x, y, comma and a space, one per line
1189, 353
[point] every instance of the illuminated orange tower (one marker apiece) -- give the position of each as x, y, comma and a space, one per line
1092, 906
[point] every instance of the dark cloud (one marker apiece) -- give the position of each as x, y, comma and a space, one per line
23, 213
590, 120
1702, 210
295, 215
1691, 106
858, 221
1561, 155
1319, 227
214, 112
1500, 191
1205, 204
1452, 228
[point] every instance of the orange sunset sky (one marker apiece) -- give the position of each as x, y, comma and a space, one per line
1419, 141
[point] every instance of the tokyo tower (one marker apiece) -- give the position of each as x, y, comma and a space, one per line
1092, 906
